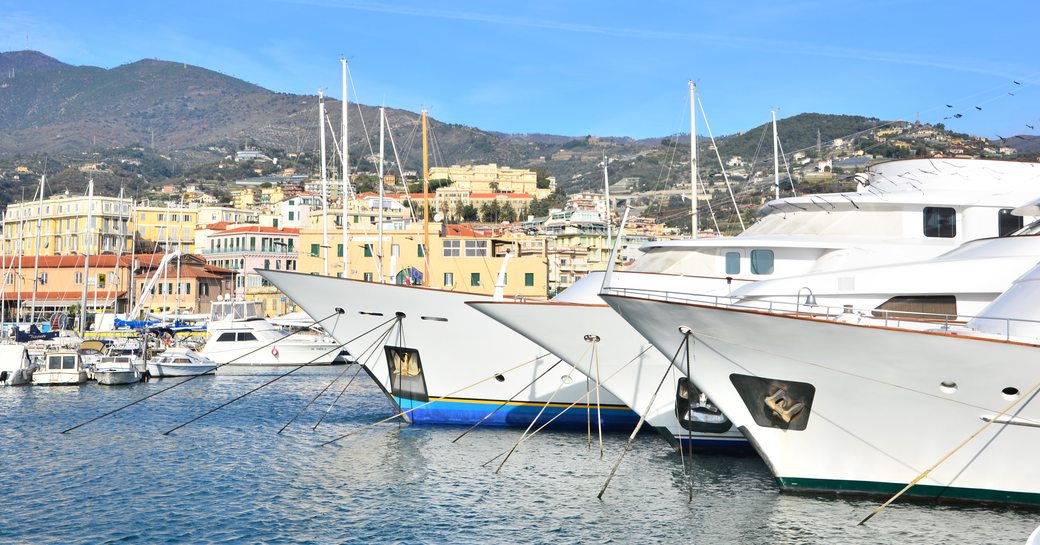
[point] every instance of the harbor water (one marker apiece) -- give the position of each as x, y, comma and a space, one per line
230, 478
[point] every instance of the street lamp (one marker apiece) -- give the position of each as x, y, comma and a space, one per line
810, 300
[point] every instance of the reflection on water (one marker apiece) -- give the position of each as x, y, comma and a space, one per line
228, 478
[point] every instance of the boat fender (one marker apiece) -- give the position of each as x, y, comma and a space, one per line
274, 351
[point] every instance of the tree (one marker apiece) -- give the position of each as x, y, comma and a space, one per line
468, 212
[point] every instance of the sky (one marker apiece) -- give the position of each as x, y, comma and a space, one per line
577, 67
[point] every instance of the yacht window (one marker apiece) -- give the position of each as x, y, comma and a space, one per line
246, 337
226, 337
68, 362
940, 222
182, 360
761, 261
732, 262
54, 362
1007, 222
922, 307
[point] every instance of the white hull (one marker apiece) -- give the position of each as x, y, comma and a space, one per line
179, 369
460, 349
115, 377
636, 370
17, 377
287, 353
879, 413
44, 377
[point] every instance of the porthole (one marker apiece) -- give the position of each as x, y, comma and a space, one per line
948, 387
1010, 393
370, 313
500, 378
434, 318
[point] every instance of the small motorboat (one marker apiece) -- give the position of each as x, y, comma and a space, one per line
180, 362
113, 370
16, 367
60, 368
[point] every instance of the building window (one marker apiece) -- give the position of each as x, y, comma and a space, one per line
395, 250
732, 262
761, 261
422, 251
451, 248
339, 250
252, 244
474, 279
367, 277
291, 214
368, 250
267, 263
449, 279
315, 250
1007, 222
476, 248
79, 278
940, 221
528, 279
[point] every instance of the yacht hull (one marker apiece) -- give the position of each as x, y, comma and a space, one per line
629, 366
470, 368
879, 405
179, 370
117, 377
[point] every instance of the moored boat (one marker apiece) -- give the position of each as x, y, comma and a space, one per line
180, 362
61, 368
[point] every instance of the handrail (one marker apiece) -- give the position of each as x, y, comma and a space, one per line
945, 323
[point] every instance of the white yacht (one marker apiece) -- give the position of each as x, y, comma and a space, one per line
898, 214
60, 368
238, 334
868, 408
114, 370
16, 367
180, 362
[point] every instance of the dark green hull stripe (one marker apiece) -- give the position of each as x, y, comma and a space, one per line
921, 491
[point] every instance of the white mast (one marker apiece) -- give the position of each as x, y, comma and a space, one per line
165, 287
606, 194
87, 238
324, 184
36, 248
776, 158
693, 160
345, 157
379, 245
21, 254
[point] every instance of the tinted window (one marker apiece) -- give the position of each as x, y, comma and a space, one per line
224, 337
761, 261
732, 262
68, 362
940, 222
246, 337
1007, 222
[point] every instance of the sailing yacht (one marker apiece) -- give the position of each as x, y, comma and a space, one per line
888, 220
868, 408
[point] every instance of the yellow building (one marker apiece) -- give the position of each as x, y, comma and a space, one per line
63, 229
460, 259
492, 178
173, 227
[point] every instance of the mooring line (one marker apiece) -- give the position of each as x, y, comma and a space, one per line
569, 407
361, 365
564, 380
599, 415
689, 410
338, 311
632, 437
506, 402
1030, 395
272, 381
329, 385
435, 400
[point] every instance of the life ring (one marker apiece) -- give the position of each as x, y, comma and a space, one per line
274, 351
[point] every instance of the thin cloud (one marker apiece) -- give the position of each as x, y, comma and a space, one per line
955, 64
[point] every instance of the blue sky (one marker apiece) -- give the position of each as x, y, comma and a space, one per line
587, 67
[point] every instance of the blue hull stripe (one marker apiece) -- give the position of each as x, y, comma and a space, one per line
469, 412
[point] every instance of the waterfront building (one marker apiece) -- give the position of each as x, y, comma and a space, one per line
246, 248
169, 225
63, 228
492, 178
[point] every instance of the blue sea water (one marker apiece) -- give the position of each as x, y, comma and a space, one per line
229, 478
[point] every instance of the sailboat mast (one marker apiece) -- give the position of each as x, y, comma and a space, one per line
426, 203
606, 194
776, 158
36, 261
693, 160
345, 157
379, 243
324, 185
88, 236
